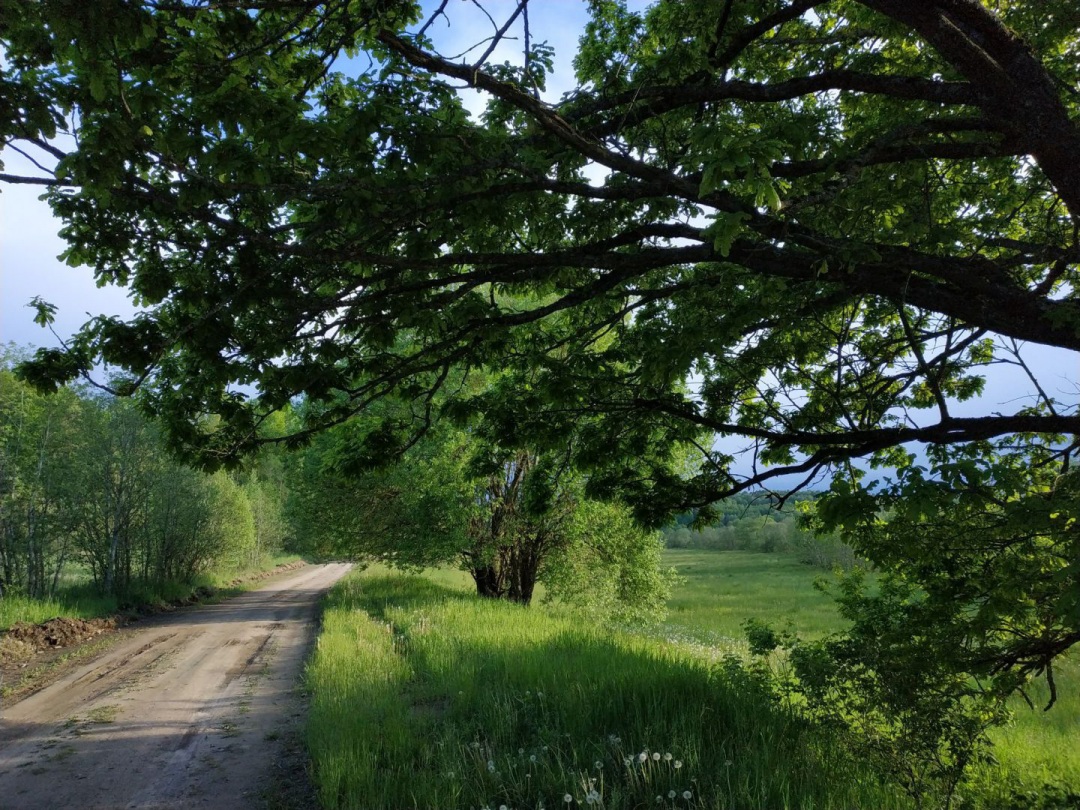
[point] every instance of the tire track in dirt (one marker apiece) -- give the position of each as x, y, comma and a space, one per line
186, 713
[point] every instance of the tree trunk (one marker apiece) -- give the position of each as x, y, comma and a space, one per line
486, 578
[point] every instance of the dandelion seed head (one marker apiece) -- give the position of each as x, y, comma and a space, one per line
656, 756
686, 794
671, 794
667, 757
678, 764
568, 798
598, 764
532, 757
521, 750
642, 757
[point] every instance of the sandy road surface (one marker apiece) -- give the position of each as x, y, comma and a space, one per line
185, 713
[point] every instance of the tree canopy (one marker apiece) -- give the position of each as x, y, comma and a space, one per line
822, 214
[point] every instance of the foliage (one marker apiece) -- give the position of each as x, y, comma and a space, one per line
39, 446
913, 717
84, 479
987, 538
824, 216
610, 567
1032, 755
761, 522
977, 555
831, 215
510, 518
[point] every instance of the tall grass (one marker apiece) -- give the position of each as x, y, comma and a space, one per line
424, 696
70, 602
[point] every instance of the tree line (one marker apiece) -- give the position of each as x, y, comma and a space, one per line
86, 481
765, 522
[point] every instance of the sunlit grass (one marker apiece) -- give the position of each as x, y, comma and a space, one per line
425, 696
720, 590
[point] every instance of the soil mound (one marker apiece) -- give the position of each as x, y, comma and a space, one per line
59, 632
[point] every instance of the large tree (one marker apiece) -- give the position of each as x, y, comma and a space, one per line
806, 223
822, 212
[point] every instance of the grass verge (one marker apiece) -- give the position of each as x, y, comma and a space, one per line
424, 696
80, 601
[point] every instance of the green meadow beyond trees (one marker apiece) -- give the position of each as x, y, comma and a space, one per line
809, 226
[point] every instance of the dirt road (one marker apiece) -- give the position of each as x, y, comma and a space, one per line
187, 712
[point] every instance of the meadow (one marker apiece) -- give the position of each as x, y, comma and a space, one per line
425, 696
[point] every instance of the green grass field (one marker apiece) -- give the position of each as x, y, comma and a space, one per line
720, 590
424, 696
